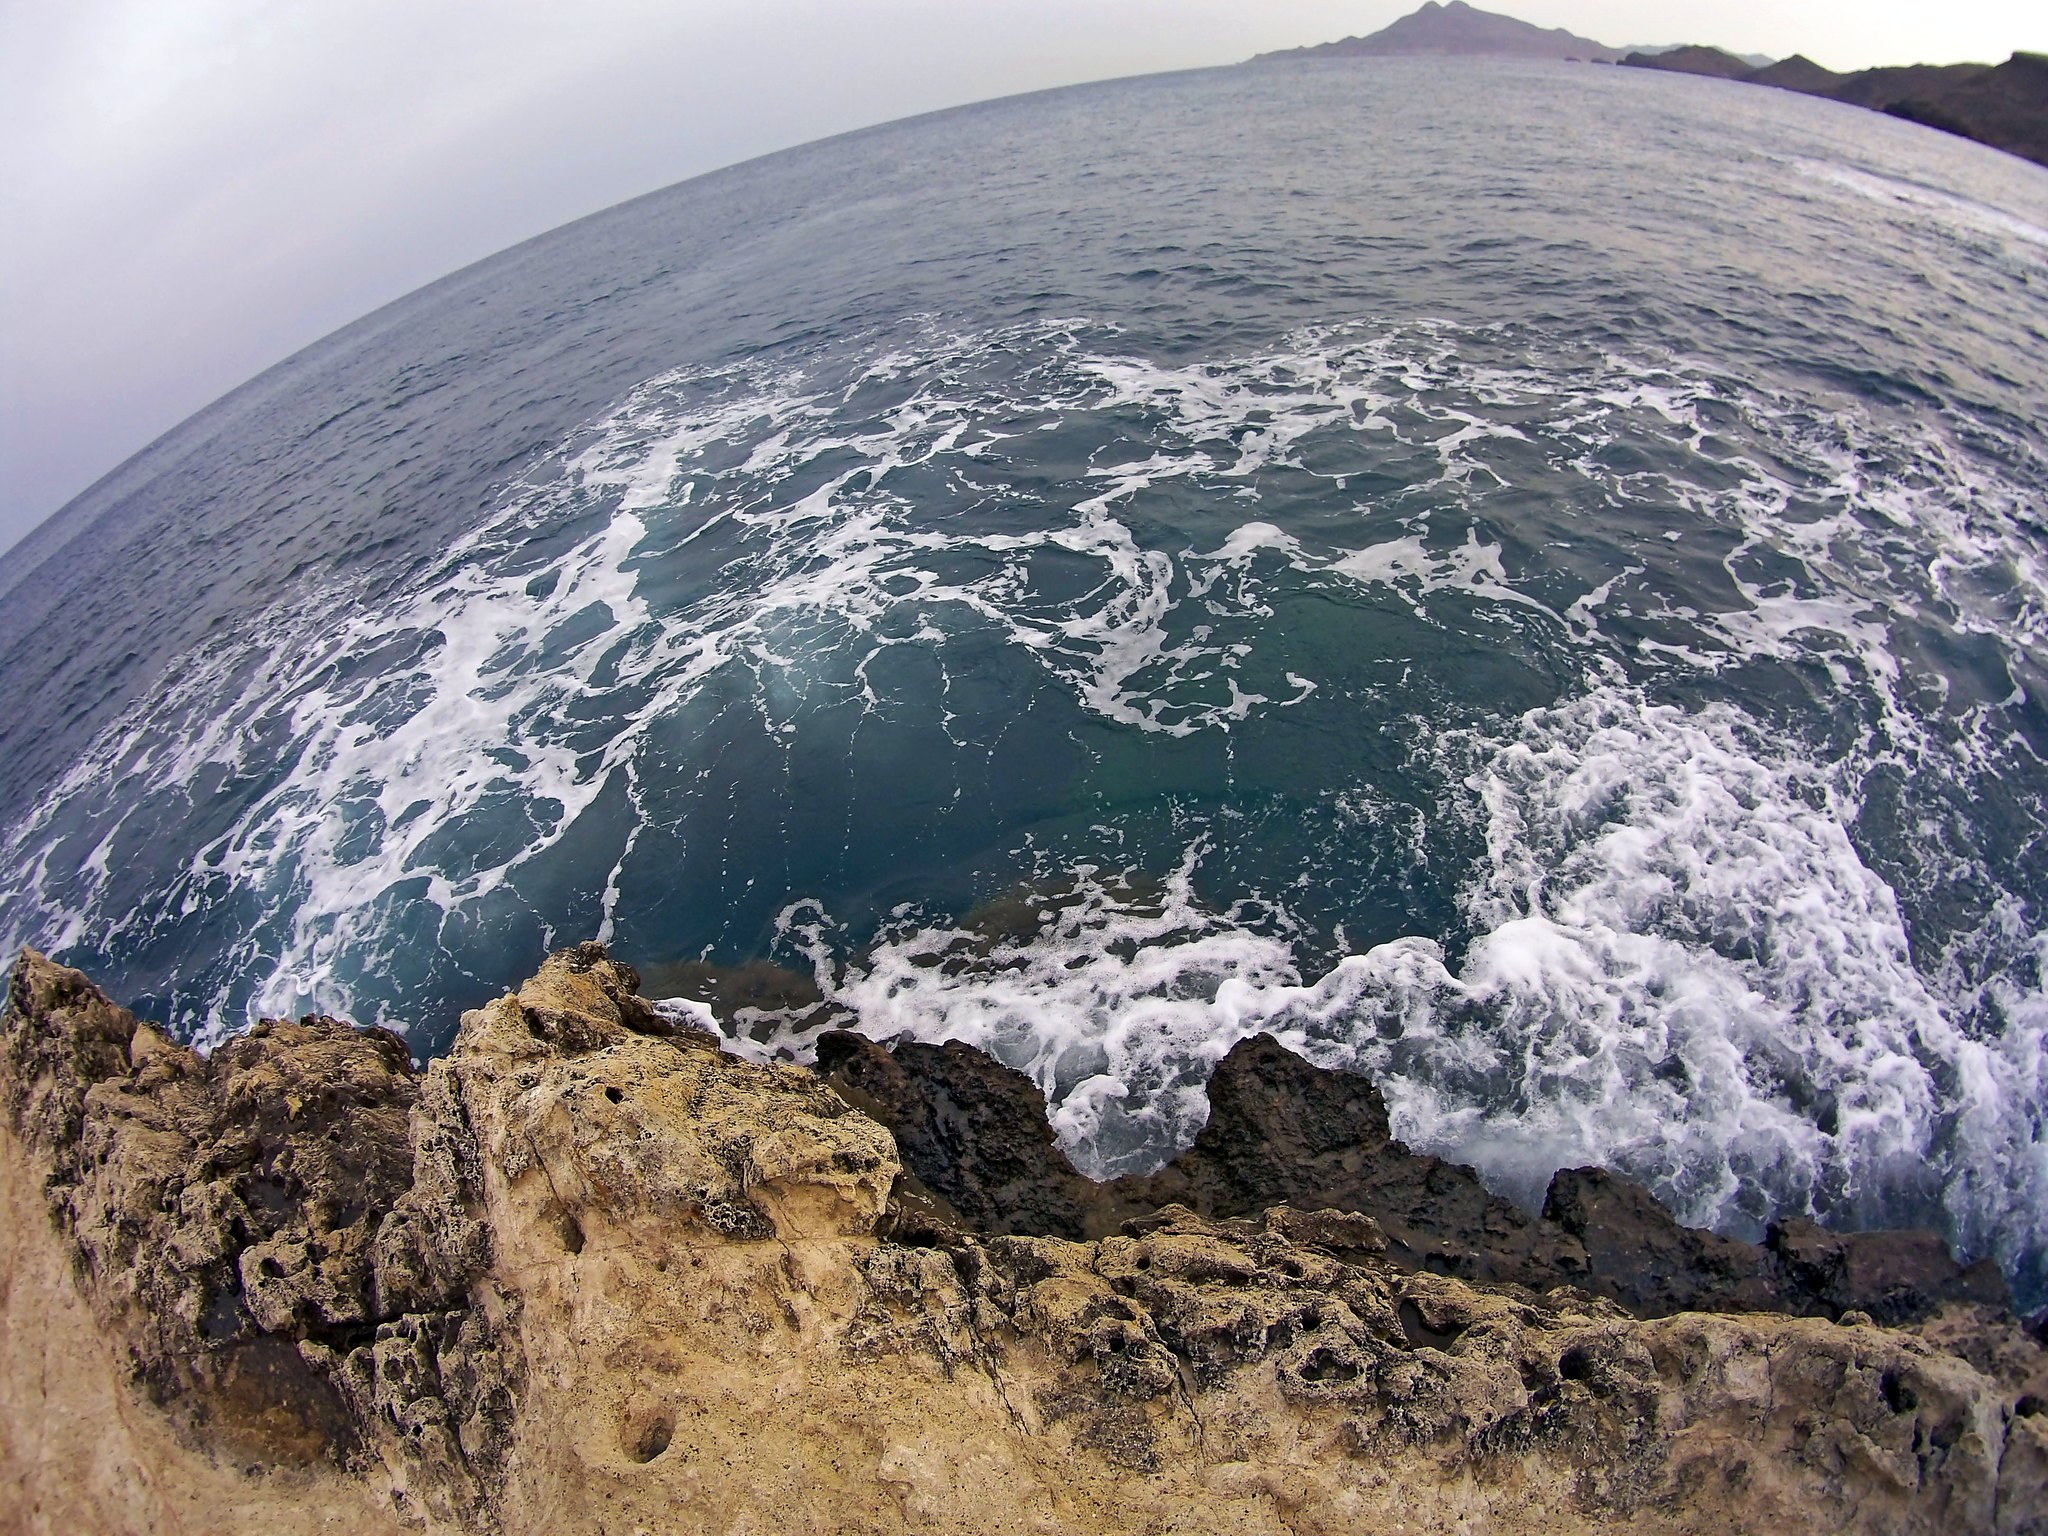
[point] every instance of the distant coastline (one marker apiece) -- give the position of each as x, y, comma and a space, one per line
2004, 106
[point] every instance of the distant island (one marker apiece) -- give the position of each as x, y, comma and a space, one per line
2004, 105
1457, 28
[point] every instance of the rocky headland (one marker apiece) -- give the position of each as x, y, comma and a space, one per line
591, 1272
2004, 105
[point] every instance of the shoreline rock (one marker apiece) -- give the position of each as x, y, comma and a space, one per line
1283, 1132
590, 1272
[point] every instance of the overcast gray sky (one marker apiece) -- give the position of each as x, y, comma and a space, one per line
193, 189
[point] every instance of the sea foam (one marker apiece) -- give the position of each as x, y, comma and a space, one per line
1729, 904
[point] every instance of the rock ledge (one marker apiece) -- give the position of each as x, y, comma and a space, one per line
589, 1272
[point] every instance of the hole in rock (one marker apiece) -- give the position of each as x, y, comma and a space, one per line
2030, 1407
221, 1318
1420, 1333
572, 1233
269, 1197
652, 1440
1897, 1396
615, 1095
1326, 1365
1575, 1364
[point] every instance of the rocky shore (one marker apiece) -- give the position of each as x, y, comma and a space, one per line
2003, 105
589, 1272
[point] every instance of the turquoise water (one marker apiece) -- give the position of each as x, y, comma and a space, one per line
1523, 580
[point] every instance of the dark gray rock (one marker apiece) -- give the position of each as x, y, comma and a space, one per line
1282, 1132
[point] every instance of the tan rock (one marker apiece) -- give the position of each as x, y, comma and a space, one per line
622, 1282
82, 1451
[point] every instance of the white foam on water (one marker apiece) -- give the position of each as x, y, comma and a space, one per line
1475, 568
1682, 966
1681, 969
1937, 208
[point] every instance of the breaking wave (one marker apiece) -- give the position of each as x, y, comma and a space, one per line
1679, 967
1621, 762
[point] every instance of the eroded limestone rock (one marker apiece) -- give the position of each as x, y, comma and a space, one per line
591, 1273
223, 1207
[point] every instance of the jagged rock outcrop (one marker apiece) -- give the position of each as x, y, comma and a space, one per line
224, 1207
608, 1277
1283, 1132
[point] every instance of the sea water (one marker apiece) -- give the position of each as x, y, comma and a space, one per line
1526, 581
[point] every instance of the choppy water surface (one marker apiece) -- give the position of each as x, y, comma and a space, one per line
1525, 581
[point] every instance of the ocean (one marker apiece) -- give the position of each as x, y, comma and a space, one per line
1527, 581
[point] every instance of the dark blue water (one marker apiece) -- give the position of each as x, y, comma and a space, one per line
1524, 580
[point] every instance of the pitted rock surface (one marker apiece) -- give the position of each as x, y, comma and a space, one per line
226, 1206
590, 1272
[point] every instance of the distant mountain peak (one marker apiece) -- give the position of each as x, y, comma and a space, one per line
1452, 27
2005, 107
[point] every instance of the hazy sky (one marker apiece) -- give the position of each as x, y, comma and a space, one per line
194, 189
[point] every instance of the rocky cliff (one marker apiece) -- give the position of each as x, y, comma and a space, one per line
591, 1273
2004, 106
